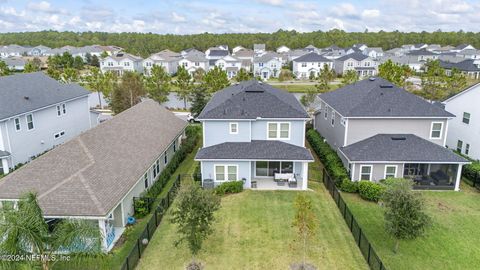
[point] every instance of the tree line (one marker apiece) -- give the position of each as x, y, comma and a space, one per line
144, 44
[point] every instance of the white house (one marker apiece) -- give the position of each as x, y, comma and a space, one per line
310, 64
365, 66
267, 65
237, 48
283, 49
166, 59
121, 62
374, 52
38, 113
15, 63
231, 65
194, 60
464, 130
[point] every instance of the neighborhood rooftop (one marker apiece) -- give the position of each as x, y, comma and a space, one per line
401, 148
312, 57
22, 93
90, 174
255, 150
250, 100
376, 97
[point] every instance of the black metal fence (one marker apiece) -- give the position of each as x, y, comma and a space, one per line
473, 180
142, 242
366, 248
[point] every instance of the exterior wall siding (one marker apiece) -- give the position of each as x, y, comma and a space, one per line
378, 171
217, 132
208, 170
259, 131
333, 134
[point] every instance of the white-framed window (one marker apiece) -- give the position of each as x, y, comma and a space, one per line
325, 114
390, 171
260, 64
30, 124
278, 130
110, 64
145, 180
175, 146
18, 126
366, 172
165, 158
459, 146
466, 118
304, 64
64, 108
197, 64
233, 127
436, 130
156, 168
226, 173
61, 109
59, 134
467, 149
127, 64
332, 118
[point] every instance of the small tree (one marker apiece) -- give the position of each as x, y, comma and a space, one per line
199, 100
308, 98
100, 82
199, 74
434, 81
4, 70
349, 77
216, 79
128, 92
194, 216
95, 62
305, 222
69, 75
285, 75
104, 54
311, 76
78, 63
158, 84
404, 211
394, 73
242, 75
184, 85
30, 67
325, 77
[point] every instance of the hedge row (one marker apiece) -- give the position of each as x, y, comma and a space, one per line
472, 171
229, 187
332, 162
188, 145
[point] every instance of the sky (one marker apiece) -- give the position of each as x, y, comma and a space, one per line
228, 16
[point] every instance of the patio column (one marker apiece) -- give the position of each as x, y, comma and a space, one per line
4, 162
304, 176
459, 176
103, 232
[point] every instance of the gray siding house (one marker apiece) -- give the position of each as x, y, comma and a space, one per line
95, 175
381, 131
255, 133
36, 114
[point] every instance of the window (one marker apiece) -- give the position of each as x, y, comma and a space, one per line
110, 64
156, 168
467, 149
279, 131
197, 64
269, 168
226, 173
436, 131
59, 134
145, 180
165, 158
30, 125
333, 118
233, 128
366, 172
459, 146
343, 121
390, 171
64, 108
18, 127
61, 109
466, 118
127, 64
174, 146
304, 64
260, 64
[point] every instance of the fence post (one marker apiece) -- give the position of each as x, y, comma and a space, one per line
128, 266
148, 231
369, 248
359, 236
138, 248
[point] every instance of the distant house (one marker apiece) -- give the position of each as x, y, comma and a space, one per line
254, 133
283, 49
167, 59
216, 53
237, 48
423, 55
381, 131
464, 130
15, 63
267, 65
411, 61
230, 64
12, 50
311, 48
469, 54
38, 113
470, 67
246, 56
121, 62
95, 176
38, 50
310, 64
462, 47
193, 60
294, 54
259, 49
362, 47
374, 52
362, 64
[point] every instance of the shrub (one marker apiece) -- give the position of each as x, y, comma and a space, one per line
370, 191
349, 186
229, 187
472, 171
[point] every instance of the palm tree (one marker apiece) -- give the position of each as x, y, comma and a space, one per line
25, 233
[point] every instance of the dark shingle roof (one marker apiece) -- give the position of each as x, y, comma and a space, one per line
465, 65
312, 57
218, 53
399, 147
22, 93
377, 97
256, 149
461, 46
252, 99
421, 52
356, 55
90, 174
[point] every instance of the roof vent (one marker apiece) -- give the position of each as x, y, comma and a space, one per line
371, 79
398, 138
260, 82
26, 97
386, 86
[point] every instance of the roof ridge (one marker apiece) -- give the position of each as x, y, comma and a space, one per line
275, 89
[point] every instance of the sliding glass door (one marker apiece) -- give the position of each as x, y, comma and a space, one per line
269, 168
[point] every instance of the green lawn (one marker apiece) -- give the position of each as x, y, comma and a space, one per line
451, 243
253, 231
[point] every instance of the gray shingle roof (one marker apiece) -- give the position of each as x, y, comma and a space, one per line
466, 65
218, 53
421, 52
399, 147
312, 57
252, 99
256, 149
266, 57
40, 89
377, 97
90, 174
358, 56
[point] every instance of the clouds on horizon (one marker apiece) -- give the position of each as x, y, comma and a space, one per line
229, 16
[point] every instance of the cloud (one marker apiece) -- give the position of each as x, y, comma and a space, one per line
271, 2
370, 13
178, 18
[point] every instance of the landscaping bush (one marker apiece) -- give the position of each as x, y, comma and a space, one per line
229, 187
349, 186
370, 191
472, 171
332, 162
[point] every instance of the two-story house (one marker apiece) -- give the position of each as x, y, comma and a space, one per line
423, 55
193, 60
121, 62
380, 130
255, 133
36, 114
166, 59
310, 64
362, 64
230, 64
464, 130
268, 65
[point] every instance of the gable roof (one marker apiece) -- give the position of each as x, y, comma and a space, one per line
358, 56
266, 57
377, 97
312, 57
91, 173
217, 52
462, 46
250, 100
21, 93
421, 52
465, 65
399, 147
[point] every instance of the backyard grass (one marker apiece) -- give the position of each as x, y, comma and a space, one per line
451, 243
253, 231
